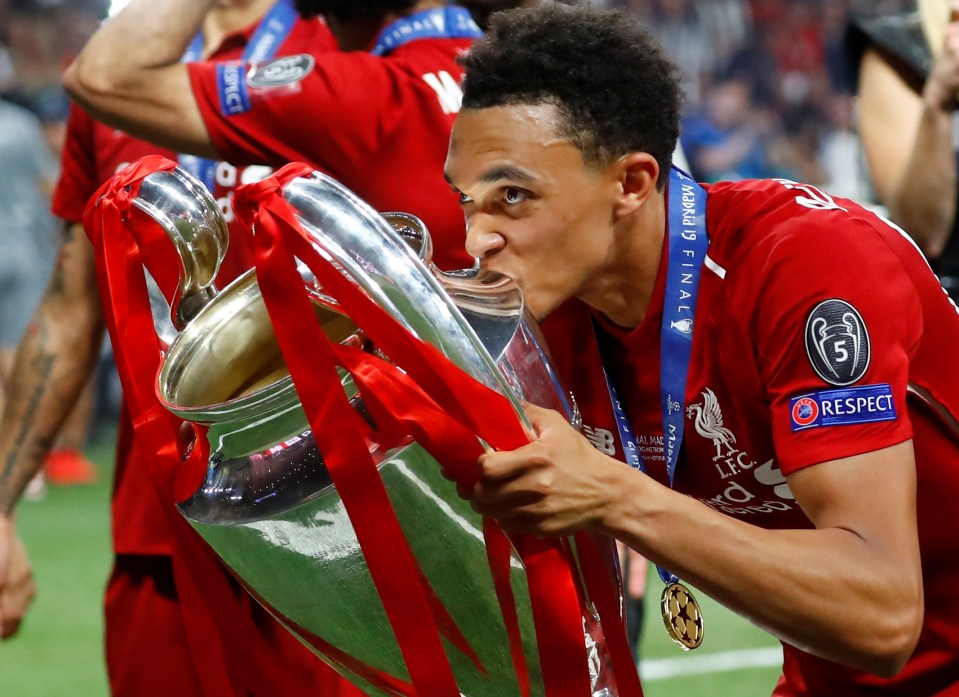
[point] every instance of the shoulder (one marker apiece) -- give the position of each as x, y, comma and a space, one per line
768, 214
311, 35
780, 239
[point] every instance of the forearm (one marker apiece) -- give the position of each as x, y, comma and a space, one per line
826, 591
923, 198
53, 363
129, 74
147, 34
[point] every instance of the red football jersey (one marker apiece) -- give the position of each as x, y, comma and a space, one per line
92, 154
379, 125
821, 333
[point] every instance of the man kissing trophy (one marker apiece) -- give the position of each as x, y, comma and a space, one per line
334, 419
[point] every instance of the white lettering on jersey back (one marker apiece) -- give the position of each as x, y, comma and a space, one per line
255, 173
229, 176
225, 175
601, 439
816, 199
447, 89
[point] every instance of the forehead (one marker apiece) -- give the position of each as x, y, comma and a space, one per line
517, 138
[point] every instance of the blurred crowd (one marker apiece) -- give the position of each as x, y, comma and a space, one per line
768, 88
769, 91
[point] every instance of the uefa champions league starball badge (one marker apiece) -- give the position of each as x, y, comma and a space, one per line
682, 616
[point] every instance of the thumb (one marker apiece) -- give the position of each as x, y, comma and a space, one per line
540, 417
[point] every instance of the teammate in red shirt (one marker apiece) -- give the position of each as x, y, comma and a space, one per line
786, 382
376, 117
150, 634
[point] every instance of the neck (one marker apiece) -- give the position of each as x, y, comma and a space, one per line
625, 287
229, 17
357, 34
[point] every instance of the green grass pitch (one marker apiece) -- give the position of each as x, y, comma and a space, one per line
58, 652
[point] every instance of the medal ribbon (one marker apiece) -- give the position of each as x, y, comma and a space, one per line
688, 242
554, 593
263, 45
450, 22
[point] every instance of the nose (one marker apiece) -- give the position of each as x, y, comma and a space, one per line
482, 239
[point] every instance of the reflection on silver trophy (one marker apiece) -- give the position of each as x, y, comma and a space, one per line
268, 507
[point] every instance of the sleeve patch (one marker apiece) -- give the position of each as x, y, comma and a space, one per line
837, 342
853, 405
231, 85
280, 72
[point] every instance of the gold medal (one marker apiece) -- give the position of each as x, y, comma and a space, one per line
682, 616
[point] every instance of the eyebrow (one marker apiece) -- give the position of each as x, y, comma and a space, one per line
498, 173
505, 172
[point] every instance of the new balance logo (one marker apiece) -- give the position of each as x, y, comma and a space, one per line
601, 439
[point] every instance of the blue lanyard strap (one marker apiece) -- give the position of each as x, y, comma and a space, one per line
687, 252
448, 22
263, 45
688, 243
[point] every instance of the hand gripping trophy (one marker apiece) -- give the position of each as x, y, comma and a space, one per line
339, 393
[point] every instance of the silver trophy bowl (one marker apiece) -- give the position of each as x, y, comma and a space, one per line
268, 507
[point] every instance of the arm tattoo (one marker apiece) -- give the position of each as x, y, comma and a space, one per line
38, 373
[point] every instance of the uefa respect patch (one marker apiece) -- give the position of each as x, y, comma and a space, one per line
854, 405
231, 86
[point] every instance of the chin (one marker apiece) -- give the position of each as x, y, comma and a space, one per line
538, 308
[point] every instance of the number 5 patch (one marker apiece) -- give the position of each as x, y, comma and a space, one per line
837, 342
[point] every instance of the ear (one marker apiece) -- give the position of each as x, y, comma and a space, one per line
637, 174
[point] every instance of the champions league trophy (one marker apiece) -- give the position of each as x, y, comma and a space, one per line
268, 506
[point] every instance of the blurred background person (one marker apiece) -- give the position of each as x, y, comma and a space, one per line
27, 228
730, 137
28, 238
909, 89
155, 643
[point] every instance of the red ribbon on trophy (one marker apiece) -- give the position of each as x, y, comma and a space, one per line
125, 241
441, 407
110, 220
459, 410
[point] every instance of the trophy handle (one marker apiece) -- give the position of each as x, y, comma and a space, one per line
192, 219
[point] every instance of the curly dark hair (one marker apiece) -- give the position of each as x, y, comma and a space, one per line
614, 86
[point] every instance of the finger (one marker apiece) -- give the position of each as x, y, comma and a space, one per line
499, 499
534, 411
505, 465
9, 628
14, 603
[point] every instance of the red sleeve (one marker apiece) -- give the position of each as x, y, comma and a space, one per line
802, 319
79, 178
335, 114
